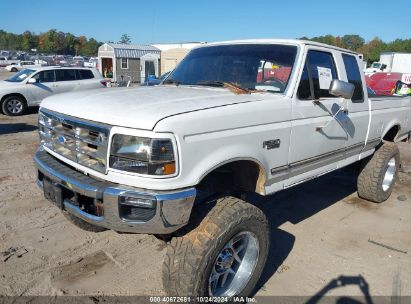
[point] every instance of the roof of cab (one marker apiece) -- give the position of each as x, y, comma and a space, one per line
278, 41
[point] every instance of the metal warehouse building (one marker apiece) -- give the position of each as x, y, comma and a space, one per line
127, 60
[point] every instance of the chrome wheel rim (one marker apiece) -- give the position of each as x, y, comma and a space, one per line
14, 106
234, 265
389, 175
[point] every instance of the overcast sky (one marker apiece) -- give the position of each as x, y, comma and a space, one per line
209, 20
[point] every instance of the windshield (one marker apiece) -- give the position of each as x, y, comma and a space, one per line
20, 76
249, 66
376, 65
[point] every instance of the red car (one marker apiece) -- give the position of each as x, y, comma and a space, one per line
382, 83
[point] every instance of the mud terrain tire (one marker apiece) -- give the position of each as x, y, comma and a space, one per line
379, 173
192, 259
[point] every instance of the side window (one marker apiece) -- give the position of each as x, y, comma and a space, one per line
45, 76
354, 76
85, 74
318, 72
65, 75
124, 63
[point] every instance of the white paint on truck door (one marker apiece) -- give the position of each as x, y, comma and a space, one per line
357, 115
318, 135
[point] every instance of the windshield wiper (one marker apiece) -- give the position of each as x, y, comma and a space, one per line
262, 91
171, 81
233, 87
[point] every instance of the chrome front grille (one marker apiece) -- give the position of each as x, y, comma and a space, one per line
78, 140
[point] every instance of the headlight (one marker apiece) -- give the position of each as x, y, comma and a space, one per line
142, 155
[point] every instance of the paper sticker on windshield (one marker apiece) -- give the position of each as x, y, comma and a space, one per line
325, 77
406, 78
22, 76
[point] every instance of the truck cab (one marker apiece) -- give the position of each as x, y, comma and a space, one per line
376, 67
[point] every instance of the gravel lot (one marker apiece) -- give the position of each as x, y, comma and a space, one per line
321, 231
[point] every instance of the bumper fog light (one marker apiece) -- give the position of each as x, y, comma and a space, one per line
136, 208
140, 202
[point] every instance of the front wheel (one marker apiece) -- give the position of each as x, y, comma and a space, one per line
13, 70
14, 106
223, 256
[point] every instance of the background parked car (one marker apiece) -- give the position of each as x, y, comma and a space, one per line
4, 61
22, 65
382, 83
78, 61
30, 86
91, 63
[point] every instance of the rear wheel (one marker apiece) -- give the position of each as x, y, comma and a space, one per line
13, 70
223, 256
379, 173
14, 105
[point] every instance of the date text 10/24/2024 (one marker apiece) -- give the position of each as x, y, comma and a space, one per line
202, 299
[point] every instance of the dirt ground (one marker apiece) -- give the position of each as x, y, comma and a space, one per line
325, 240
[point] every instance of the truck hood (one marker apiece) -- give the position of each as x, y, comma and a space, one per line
141, 107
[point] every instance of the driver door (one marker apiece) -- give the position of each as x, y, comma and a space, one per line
318, 134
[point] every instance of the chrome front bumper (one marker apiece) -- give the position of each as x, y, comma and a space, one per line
172, 208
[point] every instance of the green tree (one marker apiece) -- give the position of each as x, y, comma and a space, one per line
60, 43
373, 49
400, 45
47, 42
29, 41
91, 47
327, 39
69, 43
52, 42
125, 39
352, 42
80, 45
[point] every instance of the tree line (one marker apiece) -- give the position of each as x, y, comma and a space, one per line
371, 50
51, 42
57, 42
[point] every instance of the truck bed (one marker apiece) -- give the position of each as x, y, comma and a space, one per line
387, 112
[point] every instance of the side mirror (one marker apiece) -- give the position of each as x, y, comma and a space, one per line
341, 89
32, 80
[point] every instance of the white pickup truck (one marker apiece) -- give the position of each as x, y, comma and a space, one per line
5, 62
232, 118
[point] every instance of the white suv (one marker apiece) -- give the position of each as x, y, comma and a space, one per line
30, 86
